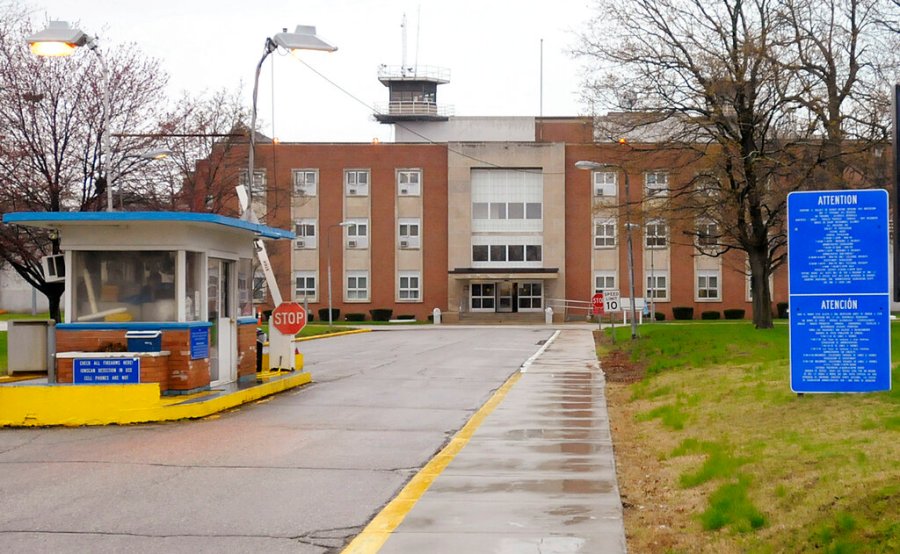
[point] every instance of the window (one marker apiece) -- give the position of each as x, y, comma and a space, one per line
656, 285
259, 286
357, 182
656, 183
409, 182
305, 285
482, 296
707, 285
506, 210
604, 280
259, 182
357, 286
306, 181
530, 297
409, 233
707, 233
358, 233
604, 233
501, 253
132, 285
656, 234
305, 229
409, 286
605, 183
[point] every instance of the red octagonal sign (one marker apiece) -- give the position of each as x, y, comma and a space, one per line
289, 318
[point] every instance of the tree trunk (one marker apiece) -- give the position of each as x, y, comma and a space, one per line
53, 292
759, 289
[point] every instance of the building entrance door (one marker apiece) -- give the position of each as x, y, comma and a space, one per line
505, 296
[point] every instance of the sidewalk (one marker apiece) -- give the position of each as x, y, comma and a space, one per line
538, 474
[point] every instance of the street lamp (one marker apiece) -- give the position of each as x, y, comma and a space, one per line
303, 38
594, 166
328, 253
61, 39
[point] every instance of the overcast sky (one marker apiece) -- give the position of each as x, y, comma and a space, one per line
492, 49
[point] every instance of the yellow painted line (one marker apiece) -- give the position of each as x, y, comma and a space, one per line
329, 335
379, 530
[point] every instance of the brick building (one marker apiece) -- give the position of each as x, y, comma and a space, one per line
485, 216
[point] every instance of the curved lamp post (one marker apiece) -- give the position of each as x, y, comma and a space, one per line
594, 166
61, 39
328, 252
303, 38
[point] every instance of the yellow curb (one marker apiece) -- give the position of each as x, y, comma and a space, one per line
379, 530
75, 405
329, 335
24, 377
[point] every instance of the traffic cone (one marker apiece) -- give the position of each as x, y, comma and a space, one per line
258, 316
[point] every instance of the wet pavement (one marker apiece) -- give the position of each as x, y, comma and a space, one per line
537, 476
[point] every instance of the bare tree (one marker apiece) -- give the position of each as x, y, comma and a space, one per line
201, 138
724, 80
51, 121
840, 59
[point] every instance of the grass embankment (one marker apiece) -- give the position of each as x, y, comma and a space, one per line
3, 362
716, 454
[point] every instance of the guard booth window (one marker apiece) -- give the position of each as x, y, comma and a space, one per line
123, 286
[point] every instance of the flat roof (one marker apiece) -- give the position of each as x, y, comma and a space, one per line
51, 219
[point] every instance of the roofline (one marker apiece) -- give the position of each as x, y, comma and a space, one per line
32, 218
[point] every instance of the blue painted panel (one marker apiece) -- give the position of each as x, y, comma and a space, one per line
839, 291
199, 343
106, 371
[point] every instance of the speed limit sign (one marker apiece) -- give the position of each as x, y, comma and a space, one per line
611, 301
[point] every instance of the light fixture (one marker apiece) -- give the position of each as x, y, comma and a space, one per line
58, 39
160, 154
594, 166
61, 39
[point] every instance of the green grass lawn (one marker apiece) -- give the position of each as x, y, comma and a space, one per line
744, 464
3, 355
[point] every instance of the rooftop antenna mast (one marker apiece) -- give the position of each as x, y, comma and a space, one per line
405, 70
418, 32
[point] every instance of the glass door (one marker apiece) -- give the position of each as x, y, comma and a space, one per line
505, 297
222, 339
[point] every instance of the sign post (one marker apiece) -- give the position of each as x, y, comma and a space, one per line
839, 291
597, 308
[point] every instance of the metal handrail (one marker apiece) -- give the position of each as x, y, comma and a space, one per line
412, 107
429, 72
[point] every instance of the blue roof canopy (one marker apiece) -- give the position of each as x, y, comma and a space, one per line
49, 219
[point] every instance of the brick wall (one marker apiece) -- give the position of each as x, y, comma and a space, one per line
174, 372
246, 350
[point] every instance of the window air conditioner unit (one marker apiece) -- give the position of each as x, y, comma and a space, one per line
54, 268
351, 192
351, 244
404, 244
301, 243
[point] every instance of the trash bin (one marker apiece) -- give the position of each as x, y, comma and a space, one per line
144, 341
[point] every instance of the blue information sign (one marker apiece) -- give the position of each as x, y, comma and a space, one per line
839, 291
106, 371
199, 343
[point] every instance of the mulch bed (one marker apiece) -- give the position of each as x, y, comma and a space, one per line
616, 364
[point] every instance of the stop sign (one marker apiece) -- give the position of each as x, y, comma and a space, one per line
597, 303
289, 318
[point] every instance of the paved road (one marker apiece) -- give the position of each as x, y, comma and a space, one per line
300, 472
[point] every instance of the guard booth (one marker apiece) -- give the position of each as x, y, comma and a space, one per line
160, 297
